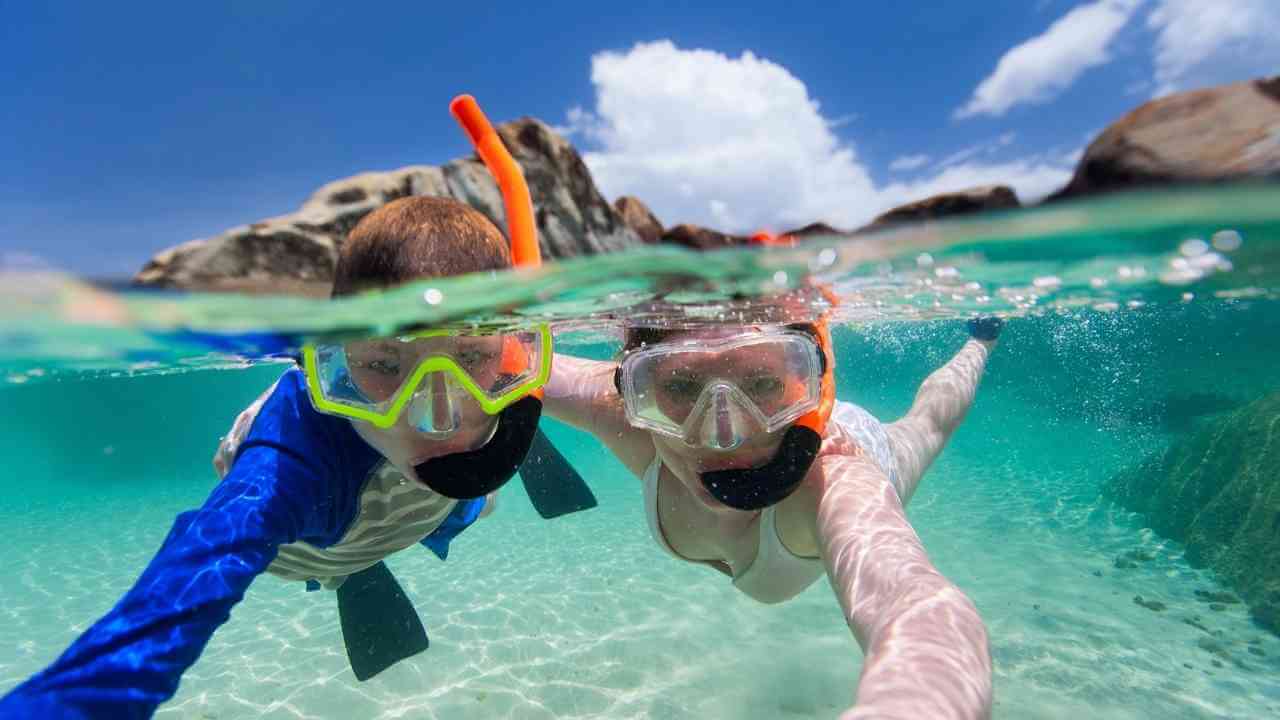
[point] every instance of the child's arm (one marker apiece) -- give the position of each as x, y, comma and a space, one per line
130, 661
940, 405
925, 645
581, 393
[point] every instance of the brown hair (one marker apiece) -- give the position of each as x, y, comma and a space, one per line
414, 238
637, 337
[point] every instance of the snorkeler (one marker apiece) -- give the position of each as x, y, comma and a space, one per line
752, 467
370, 447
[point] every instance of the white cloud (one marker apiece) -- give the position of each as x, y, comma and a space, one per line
906, 163
739, 145
1043, 67
1207, 42
703, 137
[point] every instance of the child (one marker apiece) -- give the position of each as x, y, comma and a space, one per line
751, 468
372, 446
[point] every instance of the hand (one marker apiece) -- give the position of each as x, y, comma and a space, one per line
985, 328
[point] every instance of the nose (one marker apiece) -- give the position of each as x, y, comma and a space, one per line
722, 426
435, 411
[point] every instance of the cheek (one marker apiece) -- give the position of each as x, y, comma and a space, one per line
388, 443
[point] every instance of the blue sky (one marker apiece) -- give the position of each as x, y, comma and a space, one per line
128, 128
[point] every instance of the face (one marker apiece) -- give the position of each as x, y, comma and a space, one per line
759, 372
380, 367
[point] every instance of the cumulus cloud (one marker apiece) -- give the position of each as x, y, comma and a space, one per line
1207, 42
738, 144
1041, 68
703, 137
907, 163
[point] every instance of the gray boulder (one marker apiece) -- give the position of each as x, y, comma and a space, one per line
1224, 133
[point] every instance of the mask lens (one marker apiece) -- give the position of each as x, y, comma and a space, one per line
762, 381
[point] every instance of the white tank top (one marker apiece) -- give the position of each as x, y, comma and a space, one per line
776, 574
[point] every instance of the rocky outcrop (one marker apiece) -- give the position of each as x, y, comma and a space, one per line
296, 253
1217, 490
816, 230
639, 218
964, 202
696, 237
1230, 132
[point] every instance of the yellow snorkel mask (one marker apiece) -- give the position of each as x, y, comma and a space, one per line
429, 374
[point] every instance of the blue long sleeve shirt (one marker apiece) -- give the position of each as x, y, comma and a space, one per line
296, 477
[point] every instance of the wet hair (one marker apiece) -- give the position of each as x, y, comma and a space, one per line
414, 238
636, 337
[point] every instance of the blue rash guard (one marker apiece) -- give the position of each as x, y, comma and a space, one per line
297, 477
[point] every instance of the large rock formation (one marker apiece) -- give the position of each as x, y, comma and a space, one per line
1230, 132
1217, 490
639, 218
296, 253
962, 202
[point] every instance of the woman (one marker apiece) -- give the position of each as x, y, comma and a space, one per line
752, 468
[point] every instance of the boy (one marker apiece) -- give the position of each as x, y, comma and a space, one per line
371, 447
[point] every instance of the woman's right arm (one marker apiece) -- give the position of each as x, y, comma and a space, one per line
581, 393
926, 649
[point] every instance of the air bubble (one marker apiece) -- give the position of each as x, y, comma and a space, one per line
1193, 247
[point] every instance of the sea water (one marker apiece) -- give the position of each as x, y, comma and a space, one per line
1131, 322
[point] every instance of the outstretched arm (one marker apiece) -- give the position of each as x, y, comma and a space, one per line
925, 645
281, 488
581, 393
940, 405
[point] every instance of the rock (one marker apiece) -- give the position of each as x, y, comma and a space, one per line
700, 238
297, 253
817, 230
1217, 490
573, 217
1195, 623
1230, 132
963, 202
1154, 605
639, 218
268, 257
1215, 596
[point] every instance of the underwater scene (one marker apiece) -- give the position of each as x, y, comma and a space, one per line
1109, 504
870, 361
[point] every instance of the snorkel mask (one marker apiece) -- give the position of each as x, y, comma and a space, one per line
503, 373
718, 393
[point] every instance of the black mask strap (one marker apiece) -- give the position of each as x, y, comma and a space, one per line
771, 483
478, 472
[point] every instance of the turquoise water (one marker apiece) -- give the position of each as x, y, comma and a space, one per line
109, 431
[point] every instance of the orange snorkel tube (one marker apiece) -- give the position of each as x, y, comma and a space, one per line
525, 252
474, 473
503, 167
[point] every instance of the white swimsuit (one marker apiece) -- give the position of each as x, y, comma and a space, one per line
776, 574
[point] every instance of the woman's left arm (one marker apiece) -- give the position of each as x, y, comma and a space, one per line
925, 645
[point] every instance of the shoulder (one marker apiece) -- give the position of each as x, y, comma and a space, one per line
283, 420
